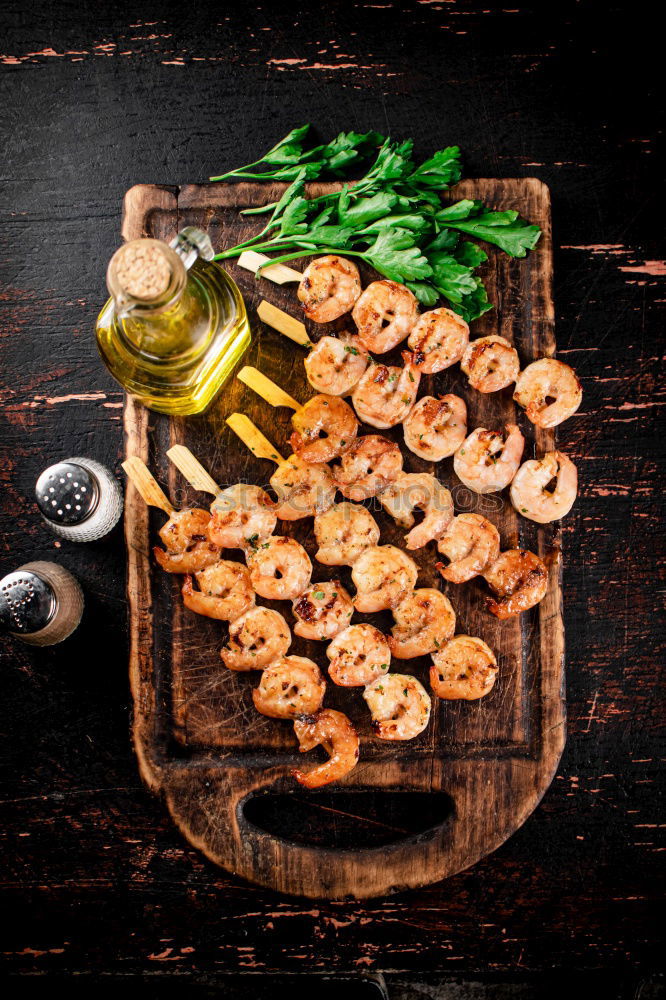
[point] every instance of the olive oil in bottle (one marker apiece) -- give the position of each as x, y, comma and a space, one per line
175, 325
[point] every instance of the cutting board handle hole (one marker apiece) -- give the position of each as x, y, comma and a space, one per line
347, 818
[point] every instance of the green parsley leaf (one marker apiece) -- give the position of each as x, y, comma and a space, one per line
458, 210
441, 170
504, 229
469, 255
425, 293
395, 255
365, 210
404, 220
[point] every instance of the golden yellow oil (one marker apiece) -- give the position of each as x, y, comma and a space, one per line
178, 359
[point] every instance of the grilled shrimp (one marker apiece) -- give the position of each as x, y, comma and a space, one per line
438, 340
490, 363
358, 655
303, 488
424, 622
544, 489
384, 315
289, 687
520, 580
371, 464
471, 544
329, 288
549, 392
419, 489
343, 532
255, 639
399, 705
383, 576
385, 394
335, 364
225, 591
486, 461
280, 568
322, 610
242, 515
334, 732
464, 669
435, 428
324, 428
188, 548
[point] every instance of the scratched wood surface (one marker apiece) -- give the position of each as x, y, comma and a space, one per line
493, 759
95, 877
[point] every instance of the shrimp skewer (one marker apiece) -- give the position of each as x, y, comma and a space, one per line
549, 392
188, 545
383, 576
185, 534
329, 288
471, 544
343, 532
280, 569
335, 364
225, 591
399, 705
486, 461
358, 656
369, 467
422, 490
424, 622
242, 515
545, 489
290, 687
385, 394
384, 315
435, 428
465, 668
438, 340
520, 580
324, 428
303, 488
490, 363
256, 638
334, 732
322, 610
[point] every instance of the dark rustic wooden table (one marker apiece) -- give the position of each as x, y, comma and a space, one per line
98, 97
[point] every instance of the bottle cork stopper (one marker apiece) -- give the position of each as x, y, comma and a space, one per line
142, 270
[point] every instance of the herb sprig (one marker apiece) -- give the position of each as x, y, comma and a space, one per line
392, 218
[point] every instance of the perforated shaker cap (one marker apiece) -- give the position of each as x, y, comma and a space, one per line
27, 603
67, 493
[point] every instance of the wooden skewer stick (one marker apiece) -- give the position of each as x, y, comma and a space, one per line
283, 323
192, 469
147, 485
268, 390
253, 439
251, 260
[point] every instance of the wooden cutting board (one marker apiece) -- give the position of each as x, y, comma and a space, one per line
439, 802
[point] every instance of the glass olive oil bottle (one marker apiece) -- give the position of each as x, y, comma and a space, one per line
175, 325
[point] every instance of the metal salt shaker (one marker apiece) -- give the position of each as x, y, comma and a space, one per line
40, 603
79, 499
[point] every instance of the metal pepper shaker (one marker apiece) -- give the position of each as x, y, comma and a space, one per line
79, 498
41, 603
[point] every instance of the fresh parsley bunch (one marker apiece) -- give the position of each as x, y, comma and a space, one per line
392, 218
